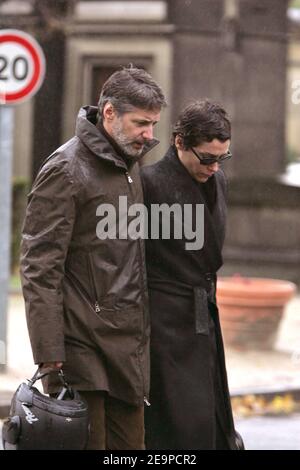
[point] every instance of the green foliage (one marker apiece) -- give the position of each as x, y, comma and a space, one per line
19, 201
15, 282
294, 4
292, 155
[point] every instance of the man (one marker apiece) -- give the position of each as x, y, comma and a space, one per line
85, 295
190, 406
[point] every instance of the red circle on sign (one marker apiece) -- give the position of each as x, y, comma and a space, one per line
38, 66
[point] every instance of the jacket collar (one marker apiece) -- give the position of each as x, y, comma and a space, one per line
192, 193
172, 157
97, 142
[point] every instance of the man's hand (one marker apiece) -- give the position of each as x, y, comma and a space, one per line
51, 366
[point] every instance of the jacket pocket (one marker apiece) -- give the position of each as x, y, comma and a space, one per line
91, 277
92, 301
104, 301
124, 323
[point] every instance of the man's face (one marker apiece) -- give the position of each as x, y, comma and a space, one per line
198, 171
131, 130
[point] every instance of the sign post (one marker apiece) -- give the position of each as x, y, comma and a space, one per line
22, 70
6, 124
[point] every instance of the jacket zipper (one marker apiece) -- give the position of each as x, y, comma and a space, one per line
96, 305
82, 291
130, 181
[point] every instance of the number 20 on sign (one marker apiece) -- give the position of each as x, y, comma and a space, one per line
22, 66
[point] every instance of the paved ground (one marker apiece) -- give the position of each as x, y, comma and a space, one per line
270, 433
1, 447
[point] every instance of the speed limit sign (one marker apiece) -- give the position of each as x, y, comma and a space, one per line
22, 66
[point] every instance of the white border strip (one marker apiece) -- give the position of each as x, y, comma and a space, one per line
113, 11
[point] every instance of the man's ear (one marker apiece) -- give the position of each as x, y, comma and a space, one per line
179, 142
108, 112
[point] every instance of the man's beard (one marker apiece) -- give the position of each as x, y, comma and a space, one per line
126, 144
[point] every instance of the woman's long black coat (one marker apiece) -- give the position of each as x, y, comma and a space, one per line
188, 375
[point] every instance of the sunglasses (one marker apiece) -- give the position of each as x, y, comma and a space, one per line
209, 159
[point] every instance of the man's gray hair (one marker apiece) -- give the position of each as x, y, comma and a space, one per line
131, 88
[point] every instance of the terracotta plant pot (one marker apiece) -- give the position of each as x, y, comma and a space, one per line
251, 310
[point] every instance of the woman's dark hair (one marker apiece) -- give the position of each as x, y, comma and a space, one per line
201, 122
131, 88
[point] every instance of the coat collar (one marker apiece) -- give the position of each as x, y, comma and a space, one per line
172, 157
97, 142
192, 191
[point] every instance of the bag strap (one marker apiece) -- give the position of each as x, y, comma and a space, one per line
39, 375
